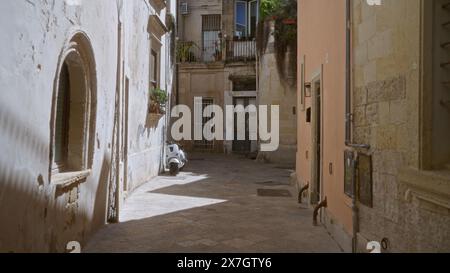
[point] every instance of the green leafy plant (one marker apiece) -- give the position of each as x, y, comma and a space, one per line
184, 51
158, 100
268, 8
284, 15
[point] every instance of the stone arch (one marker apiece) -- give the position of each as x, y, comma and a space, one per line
76, 77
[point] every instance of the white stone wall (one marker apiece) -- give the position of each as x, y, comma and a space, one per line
34, 216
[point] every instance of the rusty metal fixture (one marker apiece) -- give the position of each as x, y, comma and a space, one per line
301, 192
385, 244
322, 204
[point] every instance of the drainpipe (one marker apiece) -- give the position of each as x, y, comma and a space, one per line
348, 122
348, 81
355, 209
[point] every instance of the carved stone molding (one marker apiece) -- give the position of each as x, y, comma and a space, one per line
429, 186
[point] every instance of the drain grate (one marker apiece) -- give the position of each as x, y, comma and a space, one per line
274, 193
174, 178
272, 183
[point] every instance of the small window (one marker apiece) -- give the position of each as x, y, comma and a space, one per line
241, 19
246, 18
308, 115
73, 110
253, 18
154, 69
62, 119
244, 84
201, 105
436, 86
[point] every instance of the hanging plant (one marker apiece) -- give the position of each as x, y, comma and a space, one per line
158, 100
284, 15
286, 38
268, 8
184, 51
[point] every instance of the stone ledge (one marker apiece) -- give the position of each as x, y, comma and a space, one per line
201, 65
64, 181
430, 186
158, 4
153, 119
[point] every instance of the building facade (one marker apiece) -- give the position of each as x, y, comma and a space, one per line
78, 132
373, 135
216, 56
219, 64
321, 118
400, 109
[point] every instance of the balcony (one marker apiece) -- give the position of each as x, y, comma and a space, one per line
225, 50
241, 50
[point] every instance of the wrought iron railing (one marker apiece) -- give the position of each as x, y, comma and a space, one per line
216, 51
240, 50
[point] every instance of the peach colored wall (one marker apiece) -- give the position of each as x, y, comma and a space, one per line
322, 42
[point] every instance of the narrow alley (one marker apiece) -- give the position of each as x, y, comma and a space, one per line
218, 204
344, 103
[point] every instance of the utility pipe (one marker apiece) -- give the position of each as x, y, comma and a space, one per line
355, 209
348, 122
301, 192
322, 204
348, 81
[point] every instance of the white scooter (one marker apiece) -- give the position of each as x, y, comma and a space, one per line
176, 158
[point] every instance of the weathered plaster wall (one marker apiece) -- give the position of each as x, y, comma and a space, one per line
387, 59
35, 218
274, 90
145, 141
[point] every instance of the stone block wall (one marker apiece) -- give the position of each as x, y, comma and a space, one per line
386, 115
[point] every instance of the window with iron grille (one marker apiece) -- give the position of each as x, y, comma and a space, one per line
211, 37
154, 69
436, 89
204, 144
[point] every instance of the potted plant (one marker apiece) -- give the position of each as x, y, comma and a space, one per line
184, 51
219, 46
158, 100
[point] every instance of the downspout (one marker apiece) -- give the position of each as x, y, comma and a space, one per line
322, 204
177, 66
348, 81
348, 122
348, 107
355, 209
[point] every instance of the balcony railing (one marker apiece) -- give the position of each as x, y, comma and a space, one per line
206, 51
240, 50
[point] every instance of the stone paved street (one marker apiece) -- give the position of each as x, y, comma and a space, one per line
214, 206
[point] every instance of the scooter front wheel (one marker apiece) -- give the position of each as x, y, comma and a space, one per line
173, 169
